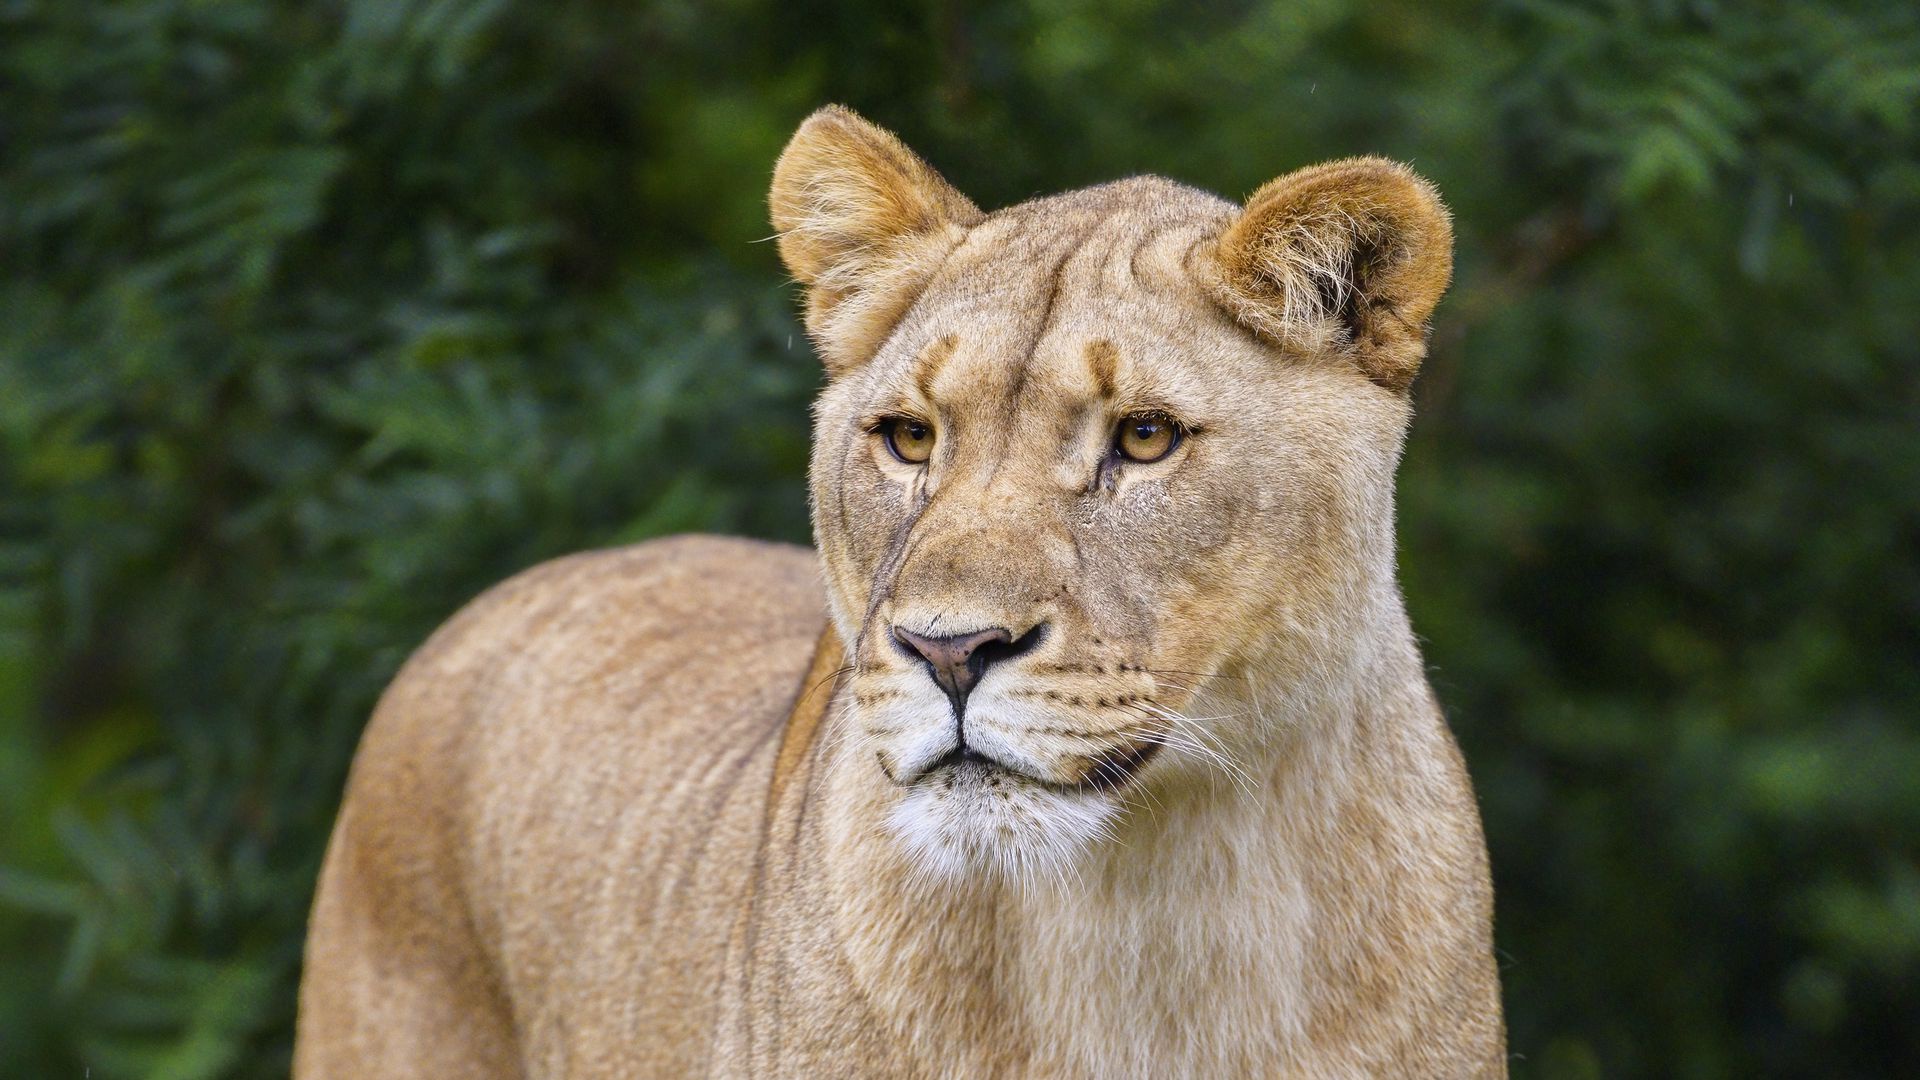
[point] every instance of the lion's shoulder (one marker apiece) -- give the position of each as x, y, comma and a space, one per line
581, 683
584, 745
674, 584
635, 639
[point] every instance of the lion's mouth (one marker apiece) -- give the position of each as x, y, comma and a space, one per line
1106, 771
1119, 765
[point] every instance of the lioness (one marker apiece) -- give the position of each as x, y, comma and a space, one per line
1104, 751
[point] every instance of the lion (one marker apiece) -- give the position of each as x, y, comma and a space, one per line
1094, 741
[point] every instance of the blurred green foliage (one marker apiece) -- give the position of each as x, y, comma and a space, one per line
317, 318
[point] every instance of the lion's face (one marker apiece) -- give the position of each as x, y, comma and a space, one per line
1068, 495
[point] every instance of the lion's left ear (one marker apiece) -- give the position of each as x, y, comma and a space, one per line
1350, 256
863, 223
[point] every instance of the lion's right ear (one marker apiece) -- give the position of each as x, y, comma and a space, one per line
863, 224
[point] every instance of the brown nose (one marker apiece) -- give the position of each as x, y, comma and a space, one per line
956, 663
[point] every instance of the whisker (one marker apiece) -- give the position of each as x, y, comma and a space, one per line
1194, 674
1232, 773
824, 680
1186, 733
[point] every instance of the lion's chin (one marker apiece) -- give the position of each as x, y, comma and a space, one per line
973, 819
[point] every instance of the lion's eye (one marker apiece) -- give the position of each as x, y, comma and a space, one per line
1146, 438
910, 440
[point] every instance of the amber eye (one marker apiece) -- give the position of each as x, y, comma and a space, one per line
1146, 438
910, 440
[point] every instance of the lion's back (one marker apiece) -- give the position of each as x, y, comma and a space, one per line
578, 758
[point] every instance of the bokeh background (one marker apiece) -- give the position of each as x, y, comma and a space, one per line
317, 318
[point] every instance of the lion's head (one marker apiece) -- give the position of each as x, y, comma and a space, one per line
1086, 465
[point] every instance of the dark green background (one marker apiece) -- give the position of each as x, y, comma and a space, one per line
316, 318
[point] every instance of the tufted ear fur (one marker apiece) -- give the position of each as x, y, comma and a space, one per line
1350, 257
863, 223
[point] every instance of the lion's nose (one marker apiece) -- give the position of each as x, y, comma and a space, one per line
957, 662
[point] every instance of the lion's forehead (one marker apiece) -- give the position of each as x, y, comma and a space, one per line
1024, 265
1047, 312
1054, 319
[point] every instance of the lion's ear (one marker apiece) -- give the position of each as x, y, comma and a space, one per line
863, 224
1350, 256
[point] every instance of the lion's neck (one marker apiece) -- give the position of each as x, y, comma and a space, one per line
1258, 905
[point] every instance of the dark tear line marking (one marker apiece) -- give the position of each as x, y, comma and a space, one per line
887, 574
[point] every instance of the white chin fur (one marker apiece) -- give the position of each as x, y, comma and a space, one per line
986, 822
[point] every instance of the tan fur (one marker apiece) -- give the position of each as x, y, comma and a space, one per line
634, 814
